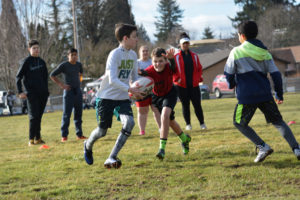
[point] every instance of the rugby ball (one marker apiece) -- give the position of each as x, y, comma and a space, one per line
146, 83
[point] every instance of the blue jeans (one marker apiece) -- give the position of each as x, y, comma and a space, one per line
72, 99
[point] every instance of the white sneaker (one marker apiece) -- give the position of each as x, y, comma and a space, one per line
203, 126
112, 163
297, 153
264, 151
188, 127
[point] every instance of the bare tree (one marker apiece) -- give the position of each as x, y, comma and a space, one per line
29, 12
12, 44
279, 26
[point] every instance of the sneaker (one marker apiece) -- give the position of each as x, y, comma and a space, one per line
185, 145
188, 127
203, 126
161, 154
81, 137
297, 153
264, 151
113, 163
39, 141
142, 133
31, 143
88, 154
64, 139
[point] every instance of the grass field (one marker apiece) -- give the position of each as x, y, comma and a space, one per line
219, 166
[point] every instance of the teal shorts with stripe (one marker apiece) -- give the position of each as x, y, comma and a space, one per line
106, 108
243, 113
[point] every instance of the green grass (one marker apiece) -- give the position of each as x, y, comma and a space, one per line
219, 166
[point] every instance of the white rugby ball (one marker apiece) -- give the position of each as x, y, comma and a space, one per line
146, 83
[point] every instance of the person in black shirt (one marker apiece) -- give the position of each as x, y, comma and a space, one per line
33, 74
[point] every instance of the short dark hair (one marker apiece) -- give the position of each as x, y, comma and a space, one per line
249, 29
32, 42
157, 52
122, 30
72, 50
184, 35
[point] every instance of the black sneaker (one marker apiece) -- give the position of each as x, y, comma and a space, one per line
161, 154
88, 155
185, 145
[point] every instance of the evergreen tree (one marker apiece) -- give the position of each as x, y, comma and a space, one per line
207, 33
168, 21
142, 34
253, 9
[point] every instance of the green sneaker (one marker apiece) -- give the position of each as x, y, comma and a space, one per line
185, 145
161, 154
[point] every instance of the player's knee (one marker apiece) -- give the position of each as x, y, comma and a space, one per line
236, 124
128, 124
99, 132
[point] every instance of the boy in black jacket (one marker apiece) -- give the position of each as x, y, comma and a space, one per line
34, 75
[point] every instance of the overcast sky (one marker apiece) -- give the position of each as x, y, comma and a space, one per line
197, 15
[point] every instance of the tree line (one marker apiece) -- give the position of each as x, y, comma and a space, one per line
51, 22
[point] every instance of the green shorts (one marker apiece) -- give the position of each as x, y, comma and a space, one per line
106, 108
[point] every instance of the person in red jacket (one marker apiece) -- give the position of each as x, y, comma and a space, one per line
186, 79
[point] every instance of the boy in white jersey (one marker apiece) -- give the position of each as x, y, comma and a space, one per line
112, 98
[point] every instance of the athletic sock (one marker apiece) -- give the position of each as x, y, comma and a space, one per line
163, 143
121, 140
183, 137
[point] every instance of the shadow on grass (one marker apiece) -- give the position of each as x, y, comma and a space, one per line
280, 164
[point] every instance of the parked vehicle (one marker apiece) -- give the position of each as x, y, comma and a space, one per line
3, 99
204, 89
220, 86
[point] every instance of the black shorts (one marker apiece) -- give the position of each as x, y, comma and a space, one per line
244, 112
168, 100
106, 108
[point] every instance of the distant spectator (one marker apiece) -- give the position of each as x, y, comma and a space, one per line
24, 106
10, 99
85, 101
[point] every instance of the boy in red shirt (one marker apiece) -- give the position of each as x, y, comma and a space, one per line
164, 97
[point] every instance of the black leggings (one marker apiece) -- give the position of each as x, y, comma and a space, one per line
190, 94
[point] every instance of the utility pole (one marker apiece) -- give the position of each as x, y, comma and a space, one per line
75, 33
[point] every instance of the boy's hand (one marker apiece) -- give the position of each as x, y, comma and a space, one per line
170, 54
139, 71
65, 87
278, 101
22, 95
136, 92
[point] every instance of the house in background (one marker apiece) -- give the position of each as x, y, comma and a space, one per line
214, 63
291, 54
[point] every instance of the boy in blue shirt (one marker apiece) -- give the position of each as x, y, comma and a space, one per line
246, 70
